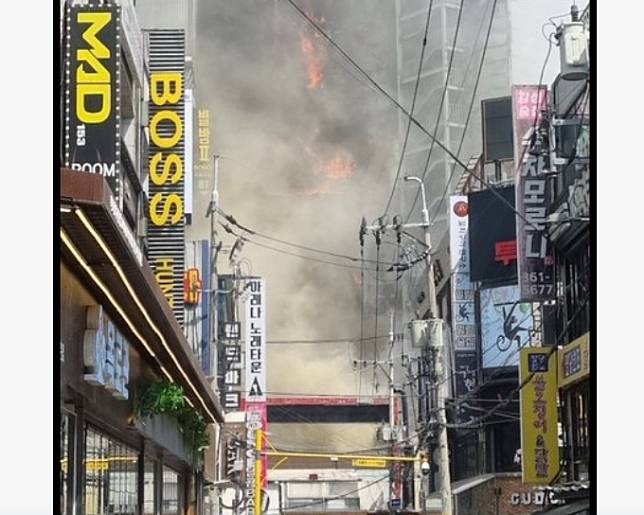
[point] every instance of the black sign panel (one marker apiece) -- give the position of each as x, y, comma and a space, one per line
493, 244
92, 98
498, 139
465, 367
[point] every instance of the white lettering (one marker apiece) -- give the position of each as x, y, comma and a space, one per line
104, 169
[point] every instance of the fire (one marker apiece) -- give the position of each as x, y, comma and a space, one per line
313, 61
314, 55
340, 167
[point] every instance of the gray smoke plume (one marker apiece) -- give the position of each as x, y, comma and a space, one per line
308, 148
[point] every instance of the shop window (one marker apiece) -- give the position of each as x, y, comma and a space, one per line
66, 463
111, 473
149, 487
172, 498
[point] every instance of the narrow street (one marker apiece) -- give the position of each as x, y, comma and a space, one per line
325, 256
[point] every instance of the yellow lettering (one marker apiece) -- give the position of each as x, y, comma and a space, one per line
172, 200
159, 140
97, 21
166, 96
172, 160
99, 73
165, 276
83, 91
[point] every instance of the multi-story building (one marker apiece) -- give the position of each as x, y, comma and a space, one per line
123, 447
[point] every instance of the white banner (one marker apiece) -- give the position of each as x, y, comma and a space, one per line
255, 385
463, 306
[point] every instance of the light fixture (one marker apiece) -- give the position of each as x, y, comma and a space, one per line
136, 299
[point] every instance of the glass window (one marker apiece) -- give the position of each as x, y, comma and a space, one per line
111, 470
149, 487
172, 492
66, 463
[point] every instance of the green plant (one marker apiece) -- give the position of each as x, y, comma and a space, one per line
162, 397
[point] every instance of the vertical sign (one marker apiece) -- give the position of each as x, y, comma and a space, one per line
197, 288
535, 259
255, 385
256, 418
166, 231
527, 104
92, 95
229, 362
204, 135
539, 440
255, 377
463, 306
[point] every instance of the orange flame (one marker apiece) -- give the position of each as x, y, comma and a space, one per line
339, 168
313, 53
314, 68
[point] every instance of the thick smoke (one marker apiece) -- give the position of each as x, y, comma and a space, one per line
308, 148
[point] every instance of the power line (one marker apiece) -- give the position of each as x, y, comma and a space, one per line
469, 111
324, 501
372, 81
442, 102
233, 221
411, 109
229, 230
326, 340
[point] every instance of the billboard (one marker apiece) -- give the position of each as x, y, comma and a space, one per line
538, 400
497, 129
492, 235
507, 325
535, 253
92, 95
463, 304
166, 229
527, 103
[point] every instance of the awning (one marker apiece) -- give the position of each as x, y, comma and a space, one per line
577, 507
98, 245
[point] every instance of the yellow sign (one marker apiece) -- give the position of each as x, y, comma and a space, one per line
574, 361
370, 463
539, 441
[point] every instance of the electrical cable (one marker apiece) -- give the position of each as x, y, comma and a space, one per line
361, 313
233, 221
375, 346
372, 81
324, 501
527, 380
229, 230
326, 340
442, 102
411, 109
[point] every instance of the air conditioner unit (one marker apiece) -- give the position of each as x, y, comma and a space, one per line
573, 47
384, 433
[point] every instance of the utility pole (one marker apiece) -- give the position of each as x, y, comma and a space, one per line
436, 347
212, 213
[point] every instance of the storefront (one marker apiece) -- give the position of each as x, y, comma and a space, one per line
118, 336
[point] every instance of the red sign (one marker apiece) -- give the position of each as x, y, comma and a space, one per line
192, 286
505, 251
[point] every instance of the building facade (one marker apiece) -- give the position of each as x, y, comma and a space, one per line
139, 420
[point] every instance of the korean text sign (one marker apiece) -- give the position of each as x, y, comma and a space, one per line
463, 306
255, 323
535, 256
539, 440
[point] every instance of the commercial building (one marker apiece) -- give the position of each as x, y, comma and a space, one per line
139, 420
